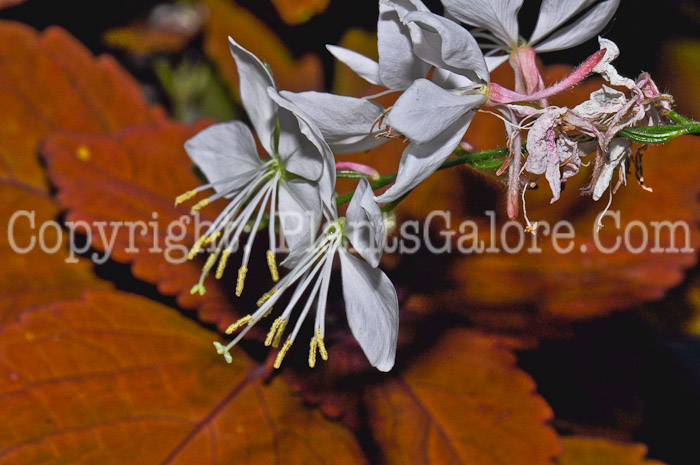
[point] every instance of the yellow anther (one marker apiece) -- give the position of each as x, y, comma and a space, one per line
242, 271
185, 197
210, 262
212, 238
267, 313
312, 352
280, 330
531, 228
272, 264
283, 352
196, 247
238, 324
273, 331
222, 264
266, 296
321, 345
201, 204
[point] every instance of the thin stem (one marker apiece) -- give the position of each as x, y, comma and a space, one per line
481, 160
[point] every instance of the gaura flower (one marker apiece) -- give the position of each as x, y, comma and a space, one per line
550, 149
290, 182
398, 65
435, 114
371, 303
497, 21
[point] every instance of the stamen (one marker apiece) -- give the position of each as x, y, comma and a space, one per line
321, 345
198, 288
242, 271
212, 238
210, 262
266, 296
222, 350
196, 247
201, 204
312, 352
222, 264
272, 264
280, 330
273, 330
282, 353
185, 197
238, 324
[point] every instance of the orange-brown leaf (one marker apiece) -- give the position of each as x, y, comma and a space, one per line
143, 40
299, 11
678, 74
226, 18
464, 402
49, 82
590, 451
115, 378
135, 177
30, 276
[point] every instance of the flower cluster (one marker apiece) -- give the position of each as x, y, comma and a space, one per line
439, 68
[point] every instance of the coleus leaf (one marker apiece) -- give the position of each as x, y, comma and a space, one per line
681, 56
463, 402
116, 378
49, 82
299, 11
593, 451
139, 172
33, 276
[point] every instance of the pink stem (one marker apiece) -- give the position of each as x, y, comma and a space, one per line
499, 95
358, 168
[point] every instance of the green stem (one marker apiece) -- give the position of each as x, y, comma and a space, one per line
486, 160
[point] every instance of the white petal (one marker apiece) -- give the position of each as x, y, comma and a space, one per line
300, 213
299, 154
398, 64
365, 224
366, 68
254, 80
425, 110
372, 309
419, 161
500, 17
495, 61
617, 151
345, 122
583, 29
554, 13
449, 80
225, 151
304, 150
446, 44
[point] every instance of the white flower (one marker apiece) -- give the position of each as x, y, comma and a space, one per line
499, 19
435, 114
292, 181
370, 299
